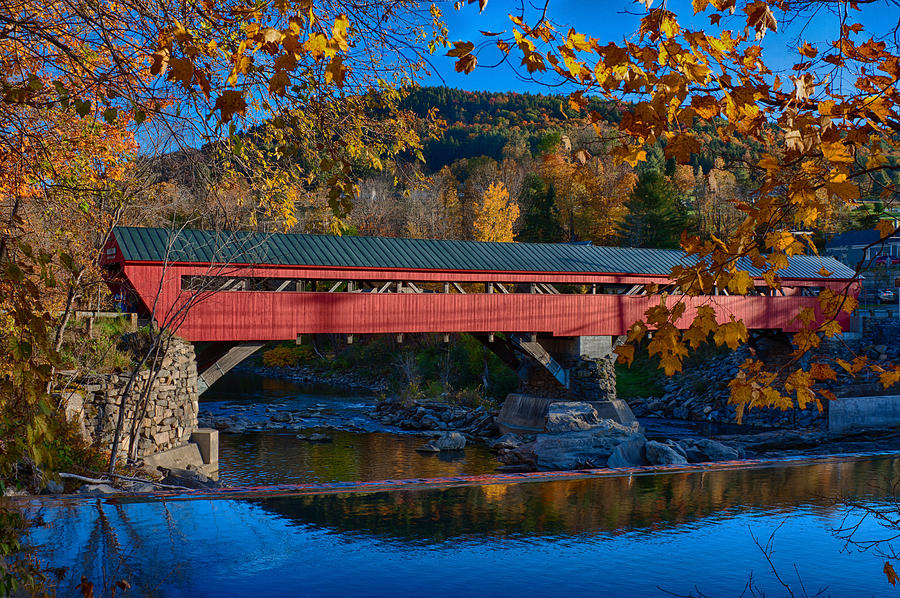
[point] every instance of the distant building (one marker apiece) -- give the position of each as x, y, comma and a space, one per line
878, 260
863, 246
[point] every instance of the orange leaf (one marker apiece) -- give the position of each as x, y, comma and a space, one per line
461, 49
335, 71
625, 353
231, 102
886, 228
890, 573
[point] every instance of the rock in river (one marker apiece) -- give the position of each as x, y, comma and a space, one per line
570, 416
658, 453
315, 437
450, 441
628, 453
507, 441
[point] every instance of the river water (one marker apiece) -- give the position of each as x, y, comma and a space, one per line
695, 532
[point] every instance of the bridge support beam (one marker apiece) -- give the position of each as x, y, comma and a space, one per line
218, 359
582, 369
558, 369
536, 351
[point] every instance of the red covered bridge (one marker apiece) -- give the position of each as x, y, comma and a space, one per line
239, 287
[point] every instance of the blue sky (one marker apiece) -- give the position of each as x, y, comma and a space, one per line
611, 22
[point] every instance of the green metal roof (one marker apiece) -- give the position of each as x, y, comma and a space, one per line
238, 247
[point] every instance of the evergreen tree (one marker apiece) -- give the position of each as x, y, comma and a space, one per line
541, 221
656, 213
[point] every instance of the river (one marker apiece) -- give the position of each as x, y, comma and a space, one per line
684, 532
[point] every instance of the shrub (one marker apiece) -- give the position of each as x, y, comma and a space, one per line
280, 357
434, 388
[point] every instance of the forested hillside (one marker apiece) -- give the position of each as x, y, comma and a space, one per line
497, 166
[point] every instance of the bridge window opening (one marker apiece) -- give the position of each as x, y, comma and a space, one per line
224, 283
808, 291
239, 283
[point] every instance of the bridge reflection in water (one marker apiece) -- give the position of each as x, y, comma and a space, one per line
633, 534
598, 505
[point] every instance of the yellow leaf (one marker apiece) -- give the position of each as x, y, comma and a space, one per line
339, 32
831, 328
821, 371
740, 282
732, 334
316, 45
807, 315
890, 377
844, 364
637, 332
846, 190
875, 160
886, 228
699, 5
669, 26
577, 41
806, 396
707, 107
670, 364
682, 147
836, 151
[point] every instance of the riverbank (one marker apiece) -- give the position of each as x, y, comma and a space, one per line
700, 393
312, 376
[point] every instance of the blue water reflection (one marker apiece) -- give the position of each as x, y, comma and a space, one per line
679, 532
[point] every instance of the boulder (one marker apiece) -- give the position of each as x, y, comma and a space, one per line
658, 453
97, 490
449, 441
317, 437
521, 458
189, 478
716, 451
675, 446
570, 416
507, 441
693, 453
628, 453
53, 487
573, 450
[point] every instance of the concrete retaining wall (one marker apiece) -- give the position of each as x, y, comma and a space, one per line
859, 413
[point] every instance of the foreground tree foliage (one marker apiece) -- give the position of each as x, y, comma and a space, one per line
828, 124
295, 101
272, 91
